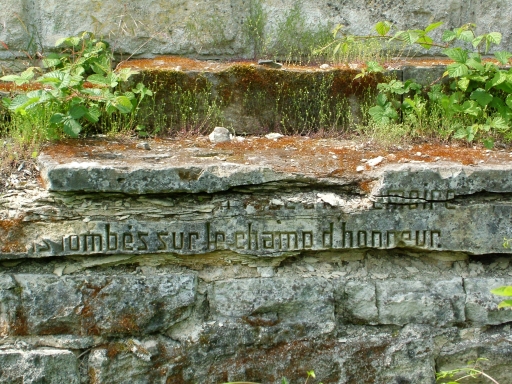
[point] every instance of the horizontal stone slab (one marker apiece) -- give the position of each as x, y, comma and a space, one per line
83, 305
45, 365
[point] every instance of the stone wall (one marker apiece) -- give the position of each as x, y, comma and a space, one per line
224, 28
196, 264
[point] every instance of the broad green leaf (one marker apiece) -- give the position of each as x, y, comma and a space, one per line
470, 107
72, 127
505, 290
448, 36
93, 114
475, 64
457, 70
382, 99
52, 60
425, 42
498, 78
457, 54
477, 40
77, 111
410, 37
57, 118
489, 143
503, 57
383, 27
336, 49
494, 37
463, 83
483, 98
500, 124
123, 104
466, 36
374, 67
508, 101
433, 26
100, 80
505, 304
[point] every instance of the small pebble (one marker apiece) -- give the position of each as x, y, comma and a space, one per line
325, 66
418, 153
375, 161
143, 145
360, 168
274, 136
220, 135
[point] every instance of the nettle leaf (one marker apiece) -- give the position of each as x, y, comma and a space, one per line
382, 99
463, 83
123, 104
52, 60
410, 37
457, 70
466, 36
503, 57
470, 107
482, 97
93, 114
57, 118
477, 40
448, 36
475, 63
502, 291
489, 143
100, 80
425, 42
493, 37
498, 78
383, 27
508, 101
71, 127
500, 124
458, 55
77, 111
374, 67
433, 26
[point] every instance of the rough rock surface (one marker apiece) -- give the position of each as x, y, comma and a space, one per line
153, 27
379, 276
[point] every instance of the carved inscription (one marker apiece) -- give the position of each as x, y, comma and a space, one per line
251, 237
415, 199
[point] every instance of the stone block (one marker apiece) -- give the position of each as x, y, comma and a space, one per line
276, 302
103, 305
49, 366
359, 304
137, 305
50, 304
403, 302
482, 305
9, 304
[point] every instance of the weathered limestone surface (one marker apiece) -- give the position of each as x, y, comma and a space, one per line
188, 268
152, 27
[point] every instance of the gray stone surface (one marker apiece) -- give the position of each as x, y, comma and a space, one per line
102, 305
277, 301
481, 304
153, 27
403, 302
52, 366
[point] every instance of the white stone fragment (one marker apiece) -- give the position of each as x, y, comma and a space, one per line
220, 135
325, 66
274, 136
375, 161
360, 168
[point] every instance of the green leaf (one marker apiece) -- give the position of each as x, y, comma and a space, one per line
489, 143
52, 60
475, 63
457, 54
409, 37
498, 78
493, 37
508, 101
505, 304
463, 83
500, 124
471, 108
425, 42
382, 99
93, 114
433, 26
374, 67
483, 98
123, 104
72, 127
466, 36
100, 80
457, 70
477, 40
57, 118
448, 36
77, 111
505, 290
503, 57
383, 27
